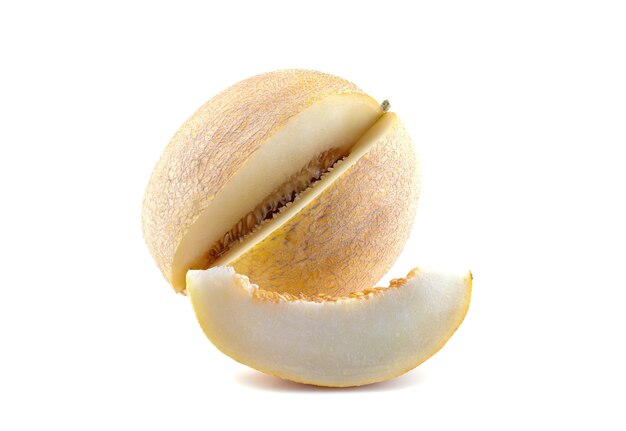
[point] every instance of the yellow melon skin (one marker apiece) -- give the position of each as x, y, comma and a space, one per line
214, 144
349, 236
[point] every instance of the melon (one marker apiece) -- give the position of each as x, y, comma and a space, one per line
362, 338
282, 175
276, 207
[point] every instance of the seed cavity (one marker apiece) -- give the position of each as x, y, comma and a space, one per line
365, 294
276, 201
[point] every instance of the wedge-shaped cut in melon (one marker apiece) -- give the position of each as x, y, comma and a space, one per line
221, 191
365, 337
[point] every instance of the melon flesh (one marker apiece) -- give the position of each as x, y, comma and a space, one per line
366, 337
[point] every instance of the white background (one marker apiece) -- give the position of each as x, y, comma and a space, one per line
517, 109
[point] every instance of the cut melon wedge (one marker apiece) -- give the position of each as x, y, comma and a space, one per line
365, 337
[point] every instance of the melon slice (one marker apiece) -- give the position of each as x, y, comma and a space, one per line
365, 337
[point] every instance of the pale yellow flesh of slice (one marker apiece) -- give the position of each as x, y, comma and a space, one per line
365, 338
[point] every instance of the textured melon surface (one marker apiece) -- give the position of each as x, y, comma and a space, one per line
366, 337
